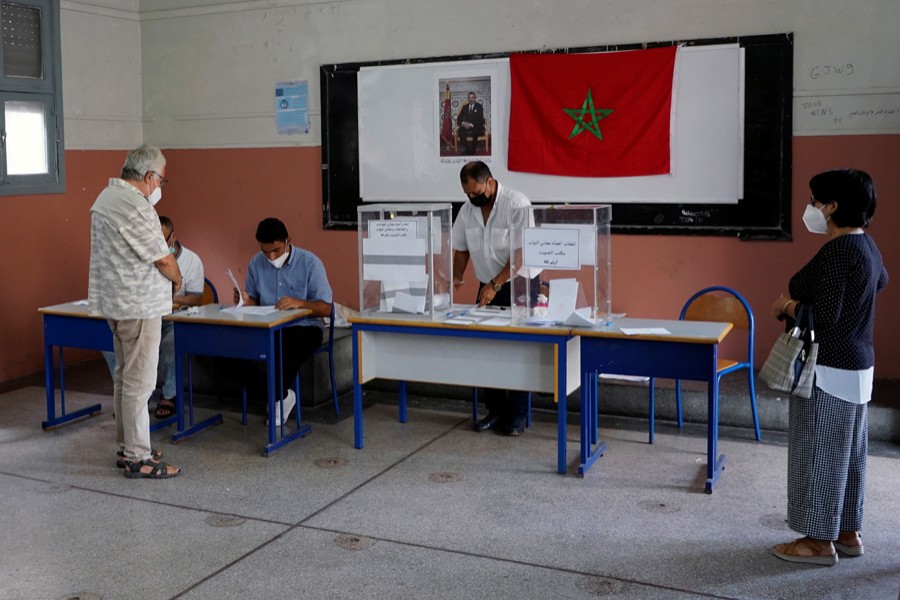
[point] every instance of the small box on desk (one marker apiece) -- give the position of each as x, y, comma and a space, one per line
560, 263
405, 258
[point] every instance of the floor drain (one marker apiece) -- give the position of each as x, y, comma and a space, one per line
656, 506
601, 586
330, 462
52, 488
353, 542
444, 477
776, 522
83, 596
217, 520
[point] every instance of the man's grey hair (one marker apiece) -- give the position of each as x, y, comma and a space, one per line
142, 160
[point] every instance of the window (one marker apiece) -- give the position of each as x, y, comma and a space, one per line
31, 123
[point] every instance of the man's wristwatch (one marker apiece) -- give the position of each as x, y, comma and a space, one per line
496, 286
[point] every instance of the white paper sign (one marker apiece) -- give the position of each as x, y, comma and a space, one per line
406, 229
587, 240
546, 248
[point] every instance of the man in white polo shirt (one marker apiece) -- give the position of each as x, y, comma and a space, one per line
481, 232
132, 278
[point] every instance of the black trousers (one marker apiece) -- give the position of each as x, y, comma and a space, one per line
507, 405
297, 344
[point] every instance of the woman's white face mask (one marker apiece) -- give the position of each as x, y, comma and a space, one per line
815, 220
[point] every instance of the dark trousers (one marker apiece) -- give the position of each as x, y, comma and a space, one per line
507, 405
297, 344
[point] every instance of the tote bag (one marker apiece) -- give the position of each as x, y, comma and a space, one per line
791, 364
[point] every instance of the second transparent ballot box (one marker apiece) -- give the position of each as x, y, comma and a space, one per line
405, 258
560, 264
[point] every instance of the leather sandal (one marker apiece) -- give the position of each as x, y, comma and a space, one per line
802, 551
847, 549
165, 408
157, 469
120, 456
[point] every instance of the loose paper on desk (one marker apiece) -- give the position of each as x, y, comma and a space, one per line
581, 317
645, 331
237, 287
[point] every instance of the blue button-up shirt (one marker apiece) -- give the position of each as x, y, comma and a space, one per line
302, 276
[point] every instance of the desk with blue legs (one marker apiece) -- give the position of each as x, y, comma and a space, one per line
410, 348
688, 351
214, 332
70, 325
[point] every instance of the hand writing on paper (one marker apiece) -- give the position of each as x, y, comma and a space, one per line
240, 298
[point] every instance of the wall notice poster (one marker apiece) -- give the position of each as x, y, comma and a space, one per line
292, 107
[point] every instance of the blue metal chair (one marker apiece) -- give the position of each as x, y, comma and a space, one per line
210, 295
719, 303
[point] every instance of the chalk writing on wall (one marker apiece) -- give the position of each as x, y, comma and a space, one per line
847, 114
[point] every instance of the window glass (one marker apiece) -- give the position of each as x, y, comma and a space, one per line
22, 41
26, 138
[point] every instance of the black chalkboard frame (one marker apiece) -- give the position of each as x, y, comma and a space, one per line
762, 214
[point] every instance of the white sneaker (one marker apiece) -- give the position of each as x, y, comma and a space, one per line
288, 404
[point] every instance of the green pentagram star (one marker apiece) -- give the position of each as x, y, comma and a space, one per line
591, 124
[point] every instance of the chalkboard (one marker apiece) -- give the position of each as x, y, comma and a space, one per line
762, 213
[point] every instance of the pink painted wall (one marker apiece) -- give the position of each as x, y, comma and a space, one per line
216, 198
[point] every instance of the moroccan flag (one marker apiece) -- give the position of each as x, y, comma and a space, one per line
591, 115
446, 122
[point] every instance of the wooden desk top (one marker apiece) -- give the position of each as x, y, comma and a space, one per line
692, 332
212, 314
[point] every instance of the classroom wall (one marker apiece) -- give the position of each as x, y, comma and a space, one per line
197, 76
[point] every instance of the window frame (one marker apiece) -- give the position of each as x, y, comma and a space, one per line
46, 90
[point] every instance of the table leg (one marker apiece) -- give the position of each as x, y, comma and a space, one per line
357, 392
182, 433
64, 417
715, 463
561, 408
401, 401
591, 446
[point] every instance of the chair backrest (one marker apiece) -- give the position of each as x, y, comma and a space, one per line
210, 296
330, 345
720, 303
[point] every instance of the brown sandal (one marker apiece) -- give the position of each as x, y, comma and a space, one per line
165, 408
802, 551
150, 469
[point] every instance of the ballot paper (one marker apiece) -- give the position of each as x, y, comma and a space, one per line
250, 310
407, 303
563, 295
237, 287
645, 331
580, 317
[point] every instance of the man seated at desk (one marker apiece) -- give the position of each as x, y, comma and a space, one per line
287, 277
190, 294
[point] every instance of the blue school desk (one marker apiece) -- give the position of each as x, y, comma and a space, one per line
210, 331
70, 325
688, 351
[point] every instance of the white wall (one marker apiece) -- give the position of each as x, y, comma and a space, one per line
101, 69
209, 67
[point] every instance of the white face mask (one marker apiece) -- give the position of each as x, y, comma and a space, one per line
279, 262
815, 220
155, 197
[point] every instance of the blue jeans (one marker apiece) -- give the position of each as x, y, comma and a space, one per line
166, 369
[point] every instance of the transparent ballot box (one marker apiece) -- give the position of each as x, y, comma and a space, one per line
405, 260
560, 263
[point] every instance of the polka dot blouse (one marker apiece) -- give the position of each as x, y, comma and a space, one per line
839, 284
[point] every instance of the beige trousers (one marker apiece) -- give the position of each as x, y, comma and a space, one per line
136, 342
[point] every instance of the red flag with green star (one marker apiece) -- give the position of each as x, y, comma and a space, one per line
591, 115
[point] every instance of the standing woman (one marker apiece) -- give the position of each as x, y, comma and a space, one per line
828, 433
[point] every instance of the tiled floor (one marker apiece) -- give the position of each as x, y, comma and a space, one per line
428, 509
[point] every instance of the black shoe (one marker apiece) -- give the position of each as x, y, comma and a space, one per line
514, 427
489, 422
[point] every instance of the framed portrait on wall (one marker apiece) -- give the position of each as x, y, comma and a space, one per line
464, 117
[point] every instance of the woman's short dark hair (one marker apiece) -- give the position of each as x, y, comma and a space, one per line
271, 230
854, 192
